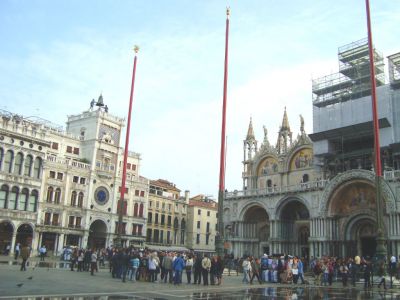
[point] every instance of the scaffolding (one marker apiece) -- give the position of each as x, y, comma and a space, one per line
353, 79
394, 70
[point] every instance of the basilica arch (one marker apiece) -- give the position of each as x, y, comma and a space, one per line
252, 230
293, 217
349, 207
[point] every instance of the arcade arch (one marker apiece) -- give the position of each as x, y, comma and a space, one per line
97, 234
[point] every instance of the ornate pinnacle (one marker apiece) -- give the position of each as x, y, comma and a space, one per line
136, 48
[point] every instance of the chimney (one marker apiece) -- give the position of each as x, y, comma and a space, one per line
187, 193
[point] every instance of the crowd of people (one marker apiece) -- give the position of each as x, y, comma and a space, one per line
132, 264
152, 266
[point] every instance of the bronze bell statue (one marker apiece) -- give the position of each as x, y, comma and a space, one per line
100, 102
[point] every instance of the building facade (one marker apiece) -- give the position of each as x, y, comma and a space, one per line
202, 222
315, 194
167, 216
61, 188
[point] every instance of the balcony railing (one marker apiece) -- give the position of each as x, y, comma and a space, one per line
391, 175
74, 226
50, 223
307, 186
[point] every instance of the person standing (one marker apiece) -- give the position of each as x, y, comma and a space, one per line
43, 252
25, 253
188, 268
167, 264
367, 275
246, 270
134, 267
197, 269
256, 267
93, 262
17, 250
206, 266
125, 264
344, 271
74, 258
300, 267
178, 265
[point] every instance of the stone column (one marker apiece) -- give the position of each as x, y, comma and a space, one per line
60, 243
13, 239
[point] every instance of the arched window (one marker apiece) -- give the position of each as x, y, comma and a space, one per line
49, 197
23, 199
73, 198
28, 165
141, 210
12, 200
135, 210
18, 163
3, 195
8, 161
183, 228
269, 183
80, 199
33, 201
37, 167
1, 158
57, 196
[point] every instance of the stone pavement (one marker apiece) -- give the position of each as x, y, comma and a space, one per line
38, 282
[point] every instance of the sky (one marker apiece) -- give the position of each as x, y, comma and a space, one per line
56, 56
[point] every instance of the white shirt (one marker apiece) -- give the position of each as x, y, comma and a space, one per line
393, 259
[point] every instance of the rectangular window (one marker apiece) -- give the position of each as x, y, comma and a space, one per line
52, 174
156, 219
208, 213
140, 229
76, 151
161, 236
47, 217
162, 219
78, 222
207, 238
134, 229
69, 149
169, 220
141, 193
128, 166
150, 204
60, 176
199, 212
54, 146
137, 192
82, 180
149, 217
55, 220
71, 221
148, 235
75, 179
198, 224
198, 238
133, 167
208, 227
168, 237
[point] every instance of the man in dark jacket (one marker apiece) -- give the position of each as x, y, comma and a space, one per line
124, 263
197, 269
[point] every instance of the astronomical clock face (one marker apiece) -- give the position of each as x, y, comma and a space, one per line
101, 195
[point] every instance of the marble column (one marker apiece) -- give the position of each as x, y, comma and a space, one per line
13, 239
60, 243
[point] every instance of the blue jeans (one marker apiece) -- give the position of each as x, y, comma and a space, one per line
177, 277
133, 274
245, 276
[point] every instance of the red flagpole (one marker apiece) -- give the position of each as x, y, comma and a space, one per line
220, 236
128, 129
381, 250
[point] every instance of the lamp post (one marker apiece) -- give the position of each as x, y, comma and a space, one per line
381, 251
121, 206
219, 238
